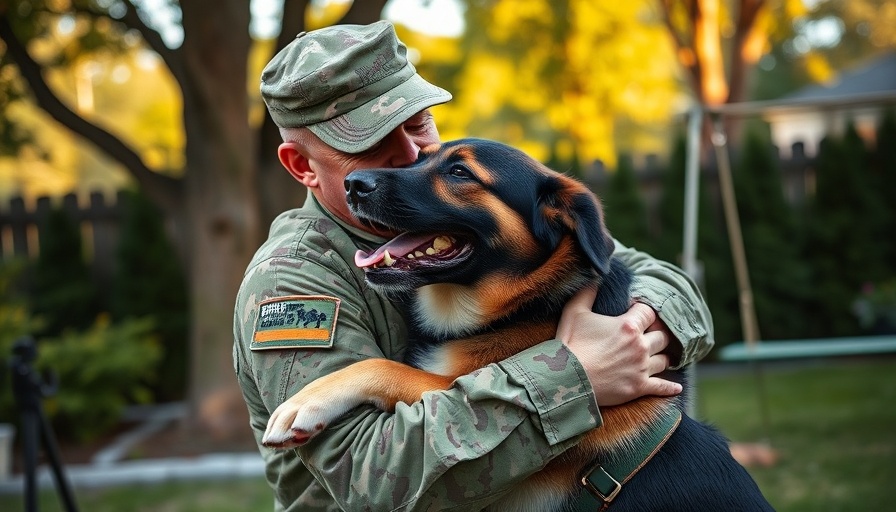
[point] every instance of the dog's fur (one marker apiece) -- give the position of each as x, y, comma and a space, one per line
517, 241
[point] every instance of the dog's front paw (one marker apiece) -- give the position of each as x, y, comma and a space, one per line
296, 421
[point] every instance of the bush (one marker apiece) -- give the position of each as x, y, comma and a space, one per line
149, 282
100, 371
62, 290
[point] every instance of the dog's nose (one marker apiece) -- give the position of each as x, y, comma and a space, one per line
358, 187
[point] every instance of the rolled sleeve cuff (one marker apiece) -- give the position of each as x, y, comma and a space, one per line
679, 315
558, 388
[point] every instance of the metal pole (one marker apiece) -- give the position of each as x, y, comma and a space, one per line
735, 238
689, 250
691, 189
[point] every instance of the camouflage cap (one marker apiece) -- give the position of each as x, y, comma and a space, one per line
349, 84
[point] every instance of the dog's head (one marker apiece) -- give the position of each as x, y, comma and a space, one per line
471, 209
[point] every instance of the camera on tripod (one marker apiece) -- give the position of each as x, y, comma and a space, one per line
29, 388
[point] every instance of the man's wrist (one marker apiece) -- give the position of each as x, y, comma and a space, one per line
558, 388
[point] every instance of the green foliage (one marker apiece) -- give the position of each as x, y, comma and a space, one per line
778, 276
845, 229
62, 290
884, 166
149, 282
876, 307
100, 371
625, 214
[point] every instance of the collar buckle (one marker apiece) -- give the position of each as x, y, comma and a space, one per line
601, 484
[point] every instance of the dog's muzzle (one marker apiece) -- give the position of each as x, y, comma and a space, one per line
358, 187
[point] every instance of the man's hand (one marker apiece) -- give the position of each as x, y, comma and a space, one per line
620, 354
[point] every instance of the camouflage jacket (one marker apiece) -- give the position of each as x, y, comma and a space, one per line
455, 450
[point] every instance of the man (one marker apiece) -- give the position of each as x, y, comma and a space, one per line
345, 98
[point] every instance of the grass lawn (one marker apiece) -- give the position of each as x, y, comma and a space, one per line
833, 425
239, 495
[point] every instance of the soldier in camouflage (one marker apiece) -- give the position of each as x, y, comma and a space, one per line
346, 97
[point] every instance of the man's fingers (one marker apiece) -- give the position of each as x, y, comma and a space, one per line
657, 364
643, 314
657, 341
662, 387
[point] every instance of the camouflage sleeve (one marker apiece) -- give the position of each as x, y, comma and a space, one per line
675, 298
458, 449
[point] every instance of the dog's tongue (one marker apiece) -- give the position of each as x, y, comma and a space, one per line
397, 247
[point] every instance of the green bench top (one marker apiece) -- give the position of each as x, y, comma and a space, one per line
808, 348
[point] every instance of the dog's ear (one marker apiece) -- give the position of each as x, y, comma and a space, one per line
572, 209
590, 231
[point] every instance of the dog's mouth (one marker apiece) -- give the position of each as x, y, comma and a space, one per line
412, 251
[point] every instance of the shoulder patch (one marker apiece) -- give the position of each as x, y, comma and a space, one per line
296, 321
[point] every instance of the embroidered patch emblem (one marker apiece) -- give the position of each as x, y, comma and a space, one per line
298, 321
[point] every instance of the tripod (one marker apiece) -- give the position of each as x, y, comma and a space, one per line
28, 389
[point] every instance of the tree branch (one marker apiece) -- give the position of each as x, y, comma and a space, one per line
47, 100
749, 10
685, 50
151, 37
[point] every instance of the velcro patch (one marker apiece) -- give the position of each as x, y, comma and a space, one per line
296, 321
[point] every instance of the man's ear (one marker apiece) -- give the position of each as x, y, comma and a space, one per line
297, 164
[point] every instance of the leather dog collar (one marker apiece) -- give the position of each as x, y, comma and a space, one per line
603, 481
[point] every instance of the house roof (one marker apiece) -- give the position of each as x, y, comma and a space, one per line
875, 77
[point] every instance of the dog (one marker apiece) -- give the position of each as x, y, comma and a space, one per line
494, 245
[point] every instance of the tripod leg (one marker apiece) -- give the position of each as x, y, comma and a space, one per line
30, 441
65, 492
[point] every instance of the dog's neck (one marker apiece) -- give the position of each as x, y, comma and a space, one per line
448, 310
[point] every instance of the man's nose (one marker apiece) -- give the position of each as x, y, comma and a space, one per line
357, 187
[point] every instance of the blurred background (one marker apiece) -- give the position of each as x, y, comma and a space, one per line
138, 174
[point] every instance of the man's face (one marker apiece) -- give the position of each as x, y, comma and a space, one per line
398, 149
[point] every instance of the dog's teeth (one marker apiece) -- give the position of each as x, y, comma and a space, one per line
441, 243
387, 259
418, 254
410, 256
430, 251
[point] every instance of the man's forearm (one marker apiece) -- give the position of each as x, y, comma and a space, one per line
460, 448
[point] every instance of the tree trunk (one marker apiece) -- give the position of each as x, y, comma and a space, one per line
222, 201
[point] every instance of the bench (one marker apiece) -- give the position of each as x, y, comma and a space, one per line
808, 348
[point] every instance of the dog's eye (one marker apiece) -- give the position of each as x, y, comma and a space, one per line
459, 171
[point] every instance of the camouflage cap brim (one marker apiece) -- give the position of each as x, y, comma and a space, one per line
361, 128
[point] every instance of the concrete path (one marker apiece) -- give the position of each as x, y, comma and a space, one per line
109, 467
148, 471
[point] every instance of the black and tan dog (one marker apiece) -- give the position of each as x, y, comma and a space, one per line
495, 244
